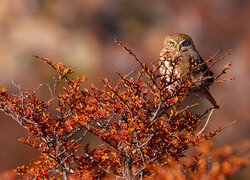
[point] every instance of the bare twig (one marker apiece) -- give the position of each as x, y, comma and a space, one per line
204, 127
230, 124
18, 86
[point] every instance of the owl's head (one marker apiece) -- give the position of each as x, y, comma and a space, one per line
179, 42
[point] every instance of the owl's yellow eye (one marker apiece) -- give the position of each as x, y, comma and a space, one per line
185, 43
171, 43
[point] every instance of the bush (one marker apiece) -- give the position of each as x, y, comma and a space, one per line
143, 124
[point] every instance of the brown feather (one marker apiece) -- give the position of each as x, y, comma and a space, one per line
209, 97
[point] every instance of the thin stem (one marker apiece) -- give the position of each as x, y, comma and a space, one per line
65, 175
204, 127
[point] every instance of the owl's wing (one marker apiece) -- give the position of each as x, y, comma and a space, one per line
208, 73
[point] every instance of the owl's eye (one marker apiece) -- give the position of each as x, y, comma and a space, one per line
171, 43
186, 43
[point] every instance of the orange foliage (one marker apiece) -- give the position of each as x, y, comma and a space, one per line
141, 120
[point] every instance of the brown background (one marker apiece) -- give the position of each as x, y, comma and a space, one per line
81, 33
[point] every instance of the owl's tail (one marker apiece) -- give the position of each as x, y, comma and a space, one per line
209, 97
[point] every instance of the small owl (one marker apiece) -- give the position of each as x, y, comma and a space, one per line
180, 56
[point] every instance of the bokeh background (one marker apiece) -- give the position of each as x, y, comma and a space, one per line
81, 33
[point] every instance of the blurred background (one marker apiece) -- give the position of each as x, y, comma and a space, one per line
81, 34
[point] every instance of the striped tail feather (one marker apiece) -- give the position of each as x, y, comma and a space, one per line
209, 97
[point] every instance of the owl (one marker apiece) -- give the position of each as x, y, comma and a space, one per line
179, 56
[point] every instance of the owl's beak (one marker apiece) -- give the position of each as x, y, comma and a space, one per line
178, 47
